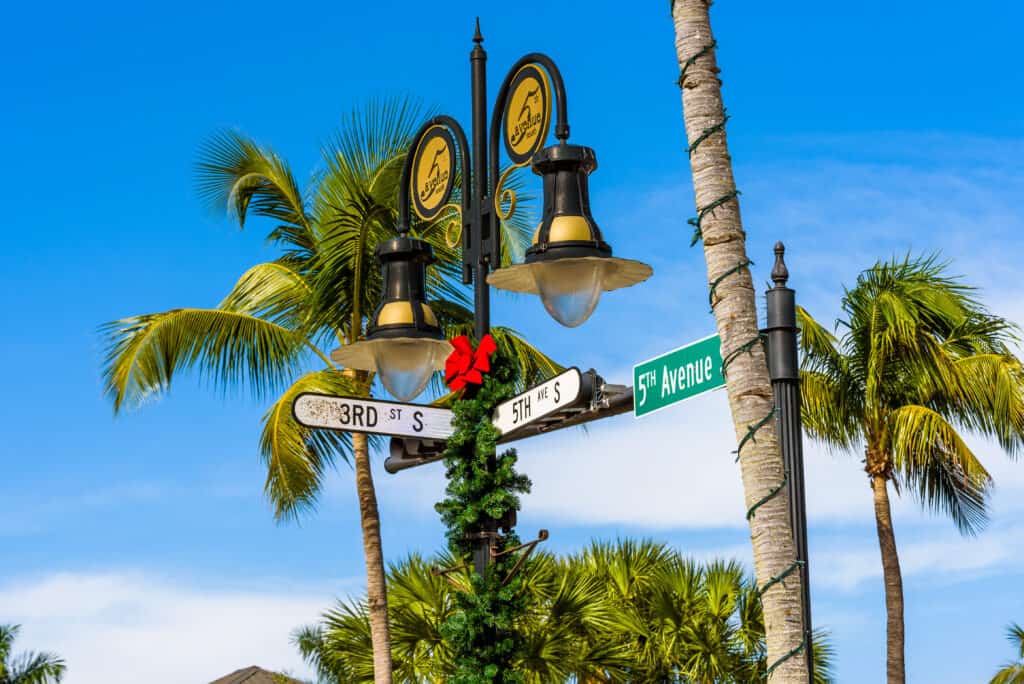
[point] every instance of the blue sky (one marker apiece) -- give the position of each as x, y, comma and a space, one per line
141, 546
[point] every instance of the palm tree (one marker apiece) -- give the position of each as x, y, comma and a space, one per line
918, 359
1012, 673
270, 334
631, 612
28, 667
732, 296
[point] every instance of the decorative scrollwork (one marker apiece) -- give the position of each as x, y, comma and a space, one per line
453, 226
503, 195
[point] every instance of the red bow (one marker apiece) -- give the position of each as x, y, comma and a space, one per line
466, 365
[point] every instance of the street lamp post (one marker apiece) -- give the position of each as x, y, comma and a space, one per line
784, 369
568, 264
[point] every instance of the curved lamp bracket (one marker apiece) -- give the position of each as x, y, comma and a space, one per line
522, 119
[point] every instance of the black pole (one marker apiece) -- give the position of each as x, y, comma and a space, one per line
784, 368
479, 249
481, 210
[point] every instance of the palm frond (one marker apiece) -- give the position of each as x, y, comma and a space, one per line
274, 291
347, 277
229, 348
930, 457
830, 410
818, 345
237, 176
824, 657
8, 633
1011, 673
1015, 633
344, 651
309, 640
989, 398
35, 668
369, 148
297, 457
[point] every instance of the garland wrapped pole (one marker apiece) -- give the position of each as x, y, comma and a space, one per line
482, 494
748, 385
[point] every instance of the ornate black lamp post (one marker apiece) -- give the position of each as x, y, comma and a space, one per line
569, 264
784, 369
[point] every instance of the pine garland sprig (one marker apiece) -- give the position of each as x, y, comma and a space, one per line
482, 630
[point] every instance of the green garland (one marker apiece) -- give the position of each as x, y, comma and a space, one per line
481, 631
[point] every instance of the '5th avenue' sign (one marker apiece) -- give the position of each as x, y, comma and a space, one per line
677, 375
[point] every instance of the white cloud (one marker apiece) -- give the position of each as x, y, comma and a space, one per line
130, 627
33, 514
928, 551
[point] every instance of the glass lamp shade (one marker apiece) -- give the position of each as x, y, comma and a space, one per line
569, 288
404, 343
404, 366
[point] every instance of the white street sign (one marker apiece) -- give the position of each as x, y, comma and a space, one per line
381, 417
428, 422
538, 401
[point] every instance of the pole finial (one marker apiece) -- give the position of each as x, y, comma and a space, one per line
478, 37
780, 274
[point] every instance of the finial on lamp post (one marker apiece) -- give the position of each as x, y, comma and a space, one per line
780, 274
477, 36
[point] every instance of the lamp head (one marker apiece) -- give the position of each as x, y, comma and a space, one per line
569, 264
404, 344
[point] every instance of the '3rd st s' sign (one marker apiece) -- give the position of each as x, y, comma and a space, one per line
677, 375
367, 415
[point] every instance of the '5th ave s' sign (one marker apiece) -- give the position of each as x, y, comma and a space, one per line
677, 375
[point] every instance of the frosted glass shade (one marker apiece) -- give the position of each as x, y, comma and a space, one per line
570, 289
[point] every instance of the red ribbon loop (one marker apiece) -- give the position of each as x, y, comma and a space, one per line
466, 365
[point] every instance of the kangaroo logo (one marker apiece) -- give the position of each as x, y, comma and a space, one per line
433, 181
434, 169
526, 121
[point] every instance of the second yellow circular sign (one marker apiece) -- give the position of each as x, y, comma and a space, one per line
527, 114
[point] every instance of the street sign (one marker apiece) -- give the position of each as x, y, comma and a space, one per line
430, 423
677, 375
540, 400
380, 417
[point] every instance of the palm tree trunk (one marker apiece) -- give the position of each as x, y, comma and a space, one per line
895, 667
376, 584
747, 382
376, 589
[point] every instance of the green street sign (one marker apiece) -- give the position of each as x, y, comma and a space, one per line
677, 375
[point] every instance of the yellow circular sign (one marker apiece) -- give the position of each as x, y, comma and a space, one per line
433, 172
527, 114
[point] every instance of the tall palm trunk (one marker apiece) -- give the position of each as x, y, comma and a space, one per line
376, 590
747, 382
895, 667
376, 585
